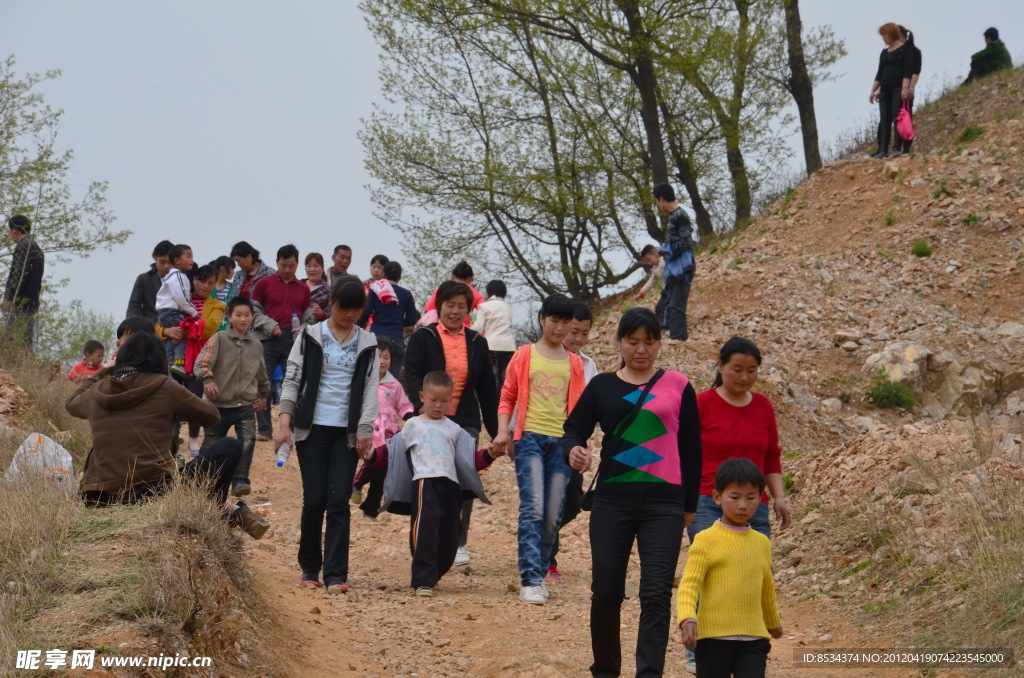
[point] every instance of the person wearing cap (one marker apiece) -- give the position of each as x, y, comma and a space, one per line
24, 283
995, 57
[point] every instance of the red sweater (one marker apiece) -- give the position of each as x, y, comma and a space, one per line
727, 431
280, 299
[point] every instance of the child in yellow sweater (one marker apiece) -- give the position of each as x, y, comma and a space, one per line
729, 568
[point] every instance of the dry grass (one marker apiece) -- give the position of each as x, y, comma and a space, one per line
35, 522
963, 569
171, 565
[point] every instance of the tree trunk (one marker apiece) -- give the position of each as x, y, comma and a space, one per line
801, 87
646, 82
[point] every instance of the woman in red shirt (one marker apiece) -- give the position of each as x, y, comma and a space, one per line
736, 422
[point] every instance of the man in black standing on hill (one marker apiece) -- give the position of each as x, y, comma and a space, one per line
24, 283
143, 299
677, 253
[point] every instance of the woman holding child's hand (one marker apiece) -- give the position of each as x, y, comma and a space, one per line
645, 492
328, 407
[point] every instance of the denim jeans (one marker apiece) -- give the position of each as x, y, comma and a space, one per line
708, 512
172, 318
244, 420
542, 475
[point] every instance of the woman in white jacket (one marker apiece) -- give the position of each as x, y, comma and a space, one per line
494, 323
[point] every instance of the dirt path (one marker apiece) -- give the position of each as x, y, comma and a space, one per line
476, 625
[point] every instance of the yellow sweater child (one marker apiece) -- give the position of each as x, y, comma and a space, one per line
729, 569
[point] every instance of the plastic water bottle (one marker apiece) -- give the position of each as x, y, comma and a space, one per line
296, 323
283, 453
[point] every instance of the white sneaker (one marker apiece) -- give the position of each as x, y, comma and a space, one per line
544, 590
462, 556
534, 595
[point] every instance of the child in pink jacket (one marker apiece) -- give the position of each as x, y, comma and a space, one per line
394, 406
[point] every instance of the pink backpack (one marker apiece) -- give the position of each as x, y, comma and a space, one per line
904, 125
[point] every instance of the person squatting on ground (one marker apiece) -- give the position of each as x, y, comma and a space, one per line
543, 383
430, 465
651, 257
394, 408
645, 489
93, 352
234, 379
448, 345
494, 323
995, 57
892, 85
579, 335
174, 304
729, 571
680, 265
328, 407
130, 408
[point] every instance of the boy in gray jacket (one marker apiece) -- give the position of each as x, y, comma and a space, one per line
440, 466
234, 378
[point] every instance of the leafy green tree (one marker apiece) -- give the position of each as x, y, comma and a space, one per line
530, 132
34, 177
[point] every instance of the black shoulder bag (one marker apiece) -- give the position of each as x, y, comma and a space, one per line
587, 502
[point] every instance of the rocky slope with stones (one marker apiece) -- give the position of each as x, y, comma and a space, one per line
906, 270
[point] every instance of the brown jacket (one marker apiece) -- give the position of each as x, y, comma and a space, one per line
131, 420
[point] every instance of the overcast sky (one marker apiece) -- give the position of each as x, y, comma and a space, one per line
221, 121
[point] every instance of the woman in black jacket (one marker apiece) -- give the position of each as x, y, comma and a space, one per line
903, 145
892, 83
328, 406
449, 346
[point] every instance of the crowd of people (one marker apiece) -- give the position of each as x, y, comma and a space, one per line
385, 406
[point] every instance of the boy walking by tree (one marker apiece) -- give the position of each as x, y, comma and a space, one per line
729, 570
679, 263
234, 378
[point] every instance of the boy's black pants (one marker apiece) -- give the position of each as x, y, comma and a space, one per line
717, 658
434, 533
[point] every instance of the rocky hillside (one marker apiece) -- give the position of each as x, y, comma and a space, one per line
904, 271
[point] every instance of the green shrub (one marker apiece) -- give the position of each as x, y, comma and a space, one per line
920, 248
890, 218
887, 394
972, 219
971, 133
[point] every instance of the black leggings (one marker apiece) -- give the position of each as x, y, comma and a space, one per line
217, 462
656, 524
889, 103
